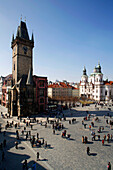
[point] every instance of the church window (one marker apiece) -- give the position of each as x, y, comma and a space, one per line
110, 92
97, 91
41, 83
101, 90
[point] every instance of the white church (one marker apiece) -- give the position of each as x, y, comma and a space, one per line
94, 87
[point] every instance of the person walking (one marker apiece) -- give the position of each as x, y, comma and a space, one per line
109, 166
37, 156
16, 144
88, 151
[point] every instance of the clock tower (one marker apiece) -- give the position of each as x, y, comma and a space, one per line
22, 53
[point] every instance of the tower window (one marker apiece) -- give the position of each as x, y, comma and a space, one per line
14, 66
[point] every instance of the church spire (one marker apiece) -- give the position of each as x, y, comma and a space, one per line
84, 71
32, 38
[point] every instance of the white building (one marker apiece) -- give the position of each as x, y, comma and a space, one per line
94, 87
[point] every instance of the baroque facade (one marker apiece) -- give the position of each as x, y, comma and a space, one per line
94, 87
22, 96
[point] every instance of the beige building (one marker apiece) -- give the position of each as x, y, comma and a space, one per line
62, 89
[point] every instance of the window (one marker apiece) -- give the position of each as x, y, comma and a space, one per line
41, 93
96, 91
14, 66
41, 100
101, 90
41, 83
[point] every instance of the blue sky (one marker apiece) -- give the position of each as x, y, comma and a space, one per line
69, 34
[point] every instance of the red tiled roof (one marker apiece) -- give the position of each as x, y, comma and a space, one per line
54, 85
61, 85
108, 83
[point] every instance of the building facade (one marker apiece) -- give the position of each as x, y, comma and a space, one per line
94, 87
62, 89
5, 90
1, 84
23, 99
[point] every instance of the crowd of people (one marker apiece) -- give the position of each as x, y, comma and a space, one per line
56, 124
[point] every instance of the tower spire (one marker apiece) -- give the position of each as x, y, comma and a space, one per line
32, 38
12, 38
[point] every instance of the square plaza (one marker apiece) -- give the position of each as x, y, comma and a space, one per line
62, 153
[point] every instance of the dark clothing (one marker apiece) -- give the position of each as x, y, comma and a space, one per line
88, 150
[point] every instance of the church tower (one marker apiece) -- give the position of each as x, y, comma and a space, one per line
22, 53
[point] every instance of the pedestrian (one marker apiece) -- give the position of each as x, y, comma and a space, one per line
82, 139
88, 151
98, 137
37, 156
26, 135
45, 144
102, 141
16, 144
54, 131
85, 126
109, 166
37, 135
104, 137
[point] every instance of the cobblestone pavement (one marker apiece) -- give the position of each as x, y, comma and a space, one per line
63, 153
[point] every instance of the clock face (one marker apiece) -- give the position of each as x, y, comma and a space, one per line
25, 49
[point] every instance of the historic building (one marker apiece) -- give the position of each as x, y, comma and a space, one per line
62, 89
23, 99
94, 87
1, 84
7, 83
